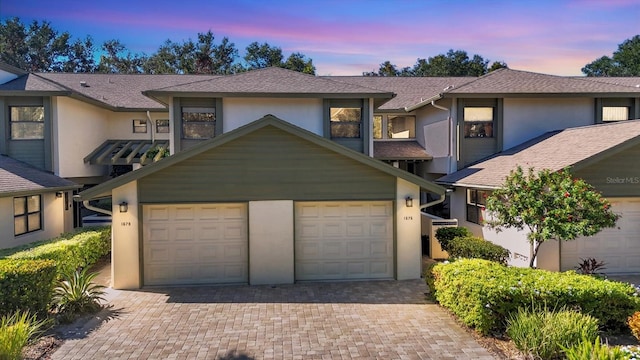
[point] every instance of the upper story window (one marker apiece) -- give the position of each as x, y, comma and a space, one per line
27, 214
615, 113
395, 127
198, 123
27, 122
615, 109
478, 122
346, 122
140, 126
162, 126
476, 203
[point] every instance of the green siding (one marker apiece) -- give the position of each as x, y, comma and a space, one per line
615, 176
267, 164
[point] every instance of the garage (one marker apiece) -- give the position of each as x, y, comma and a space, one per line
344, 240
618, 247
187, 244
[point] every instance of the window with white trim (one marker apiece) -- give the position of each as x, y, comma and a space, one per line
27, 214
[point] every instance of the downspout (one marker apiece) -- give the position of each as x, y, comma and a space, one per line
96, 209
432, 203
153, 137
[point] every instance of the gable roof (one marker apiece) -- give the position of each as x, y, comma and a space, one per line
104, 189
18, 178
506, 82
576, 147
409, 90
33, 84
272, 81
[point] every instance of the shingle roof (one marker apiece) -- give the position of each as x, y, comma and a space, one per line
624, 81
120, 91
508, 81
31, 82
270, 81
17, 177
553, 150
409, 90
399, 150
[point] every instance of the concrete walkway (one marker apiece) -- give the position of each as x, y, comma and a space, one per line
367, 320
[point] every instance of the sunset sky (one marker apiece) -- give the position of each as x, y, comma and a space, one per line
348, 37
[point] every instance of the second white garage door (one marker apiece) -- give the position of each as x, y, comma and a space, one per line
195, 244
618, 247
344, 240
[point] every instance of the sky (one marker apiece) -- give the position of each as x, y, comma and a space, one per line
347, 37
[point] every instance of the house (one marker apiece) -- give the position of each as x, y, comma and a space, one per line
89, 128
609, 163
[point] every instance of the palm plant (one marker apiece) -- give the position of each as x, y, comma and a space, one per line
78, 294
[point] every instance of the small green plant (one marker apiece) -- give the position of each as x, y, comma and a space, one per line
594, 350
634, 324
445, 234
16, 330
542, 334
472, 247
591, 266
77, 294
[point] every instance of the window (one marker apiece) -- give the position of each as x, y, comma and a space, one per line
27, 122
476, 202
198, 123
140, 126
478, 122
615, 113
397, 127
162, 126
346, 122
27, 215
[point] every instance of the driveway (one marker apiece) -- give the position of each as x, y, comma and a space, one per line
367, 320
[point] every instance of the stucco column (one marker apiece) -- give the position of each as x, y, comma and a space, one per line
408, 232
125, 238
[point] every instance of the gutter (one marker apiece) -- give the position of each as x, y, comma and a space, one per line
423, 102
93, 208
435, 202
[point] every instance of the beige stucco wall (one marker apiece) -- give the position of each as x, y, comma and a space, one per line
305, 113
53, 225
125, 238
120, 125
524, 119
271, 239
408, 232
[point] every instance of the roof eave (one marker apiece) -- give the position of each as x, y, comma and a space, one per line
155, 93
39, 191
423, 103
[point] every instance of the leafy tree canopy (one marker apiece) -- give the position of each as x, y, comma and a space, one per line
453, 63
624, 62
550, 205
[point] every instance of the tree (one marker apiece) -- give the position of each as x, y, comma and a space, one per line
263, 55
550, 205
79, 57
624, 62
118, 60
300, 63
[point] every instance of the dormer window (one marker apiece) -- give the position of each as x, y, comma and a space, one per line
27, 122
614, 109
198, 123
478, 122
346, 122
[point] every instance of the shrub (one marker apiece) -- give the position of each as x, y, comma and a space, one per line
15, 332
634, 324
472, 247
542, 334
483, 293
26, 285
591, 266
70, 252
77, 294
594, 350
445, 234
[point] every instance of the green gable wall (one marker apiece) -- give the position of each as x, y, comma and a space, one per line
267, 164
617, 175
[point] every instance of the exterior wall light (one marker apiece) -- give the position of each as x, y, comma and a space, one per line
409, 201
124, 207
59, 194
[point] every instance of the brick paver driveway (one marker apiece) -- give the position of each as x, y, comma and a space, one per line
378, 319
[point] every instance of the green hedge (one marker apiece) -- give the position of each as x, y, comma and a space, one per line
482, 293
445, 234
26, 285
70, 252
472, 247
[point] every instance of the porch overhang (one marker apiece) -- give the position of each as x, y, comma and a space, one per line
128, 152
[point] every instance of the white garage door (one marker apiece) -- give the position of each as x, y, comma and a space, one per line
195, 244
618, 247
344, 240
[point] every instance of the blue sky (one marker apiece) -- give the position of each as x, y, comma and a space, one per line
349, 37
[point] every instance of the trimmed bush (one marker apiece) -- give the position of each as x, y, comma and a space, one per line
482, 294
472, 247
70, 252
445, 234
543, 334
26, 285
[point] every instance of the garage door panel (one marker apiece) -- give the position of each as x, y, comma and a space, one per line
195, 244
344, 240
618, 247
